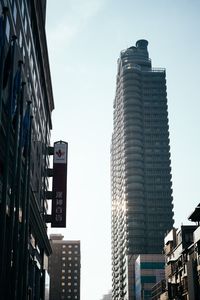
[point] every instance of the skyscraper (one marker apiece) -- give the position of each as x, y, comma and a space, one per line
140, 166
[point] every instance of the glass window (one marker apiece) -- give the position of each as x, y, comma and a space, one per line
29, 48
22, 8
23, 51
7, 29
20, 39
25, 25
14, 12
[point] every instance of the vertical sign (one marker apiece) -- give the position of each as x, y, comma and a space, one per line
58, 218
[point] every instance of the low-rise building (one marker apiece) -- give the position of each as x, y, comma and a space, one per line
149, 269
182, 253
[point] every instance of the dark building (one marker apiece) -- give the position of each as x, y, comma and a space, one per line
64, 269
182, 253
26, 104
159, 290
140, 166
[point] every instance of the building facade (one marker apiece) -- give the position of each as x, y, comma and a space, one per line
64, 269
26, 104
149, 269
182, 270
142, 210
158, 291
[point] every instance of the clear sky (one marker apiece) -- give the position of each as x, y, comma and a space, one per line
85, 38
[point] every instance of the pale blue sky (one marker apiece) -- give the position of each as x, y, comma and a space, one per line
85, 38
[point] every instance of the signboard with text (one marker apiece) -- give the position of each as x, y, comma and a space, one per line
58, 218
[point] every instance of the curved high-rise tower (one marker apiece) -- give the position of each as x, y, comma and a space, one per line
142, 210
